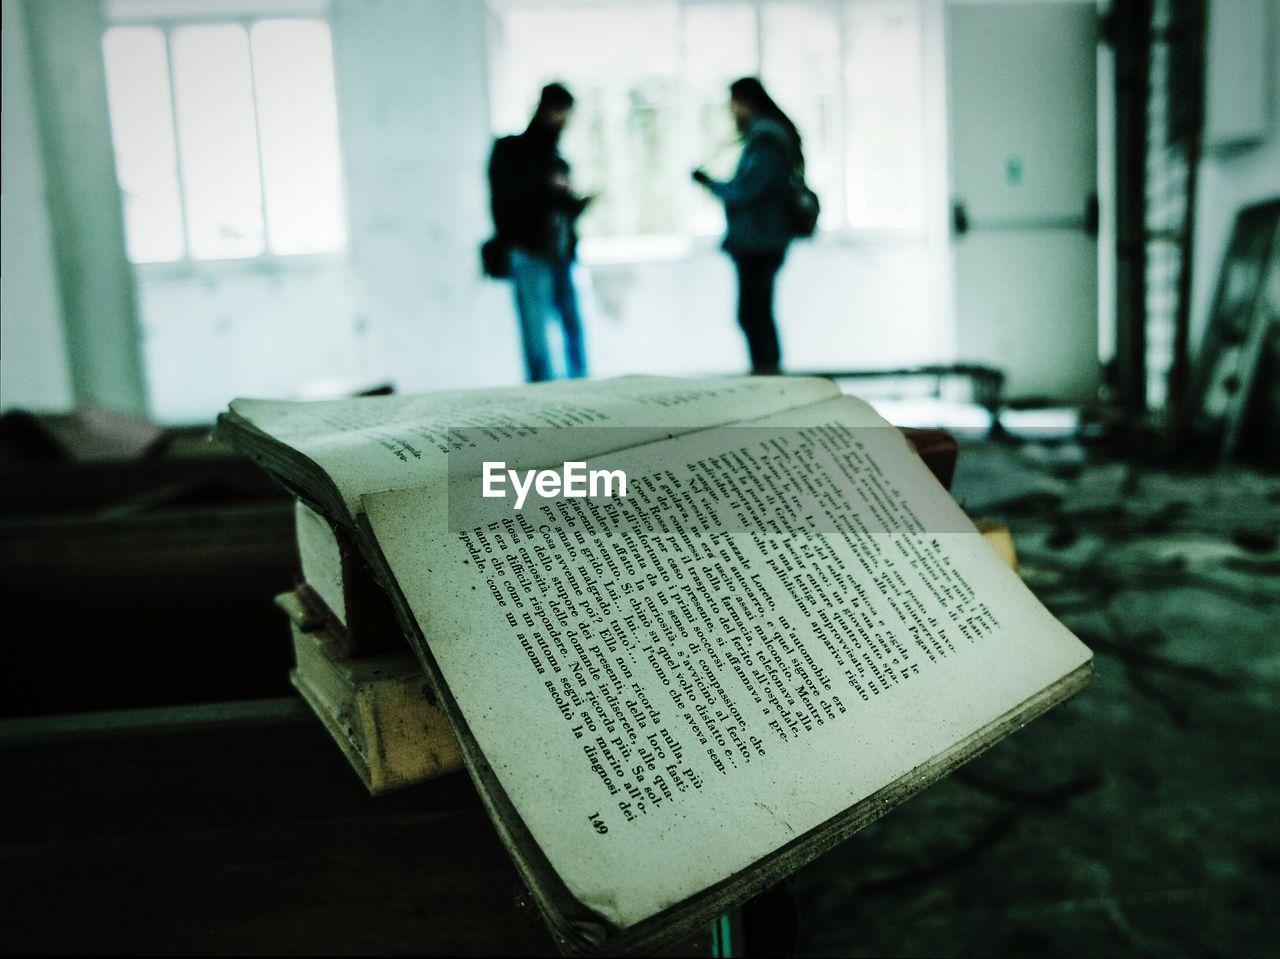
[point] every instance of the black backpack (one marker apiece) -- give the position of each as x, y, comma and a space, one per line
803, 207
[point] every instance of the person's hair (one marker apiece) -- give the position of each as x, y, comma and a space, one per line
555, 96
751, 91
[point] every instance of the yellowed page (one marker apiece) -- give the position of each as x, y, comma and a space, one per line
320, 556
773, 625
370, 444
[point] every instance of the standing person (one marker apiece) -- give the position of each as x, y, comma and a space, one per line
534, 215
757, 205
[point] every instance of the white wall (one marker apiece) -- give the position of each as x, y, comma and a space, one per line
405, 303
1022, 94
839, 306
1244, 169
95, 282
33, 350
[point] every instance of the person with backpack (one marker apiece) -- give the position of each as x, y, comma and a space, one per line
534, 216
766, 207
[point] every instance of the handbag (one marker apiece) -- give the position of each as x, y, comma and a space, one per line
495, 259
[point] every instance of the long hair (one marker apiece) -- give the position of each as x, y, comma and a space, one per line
751, 91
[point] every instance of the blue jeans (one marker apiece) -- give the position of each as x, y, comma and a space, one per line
544, 289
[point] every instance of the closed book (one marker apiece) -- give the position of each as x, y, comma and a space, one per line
377, 708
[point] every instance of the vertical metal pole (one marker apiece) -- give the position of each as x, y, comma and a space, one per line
247, 26
1179, 370
185, 220
1131, 34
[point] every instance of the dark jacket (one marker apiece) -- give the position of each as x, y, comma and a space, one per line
530, 213
756, 201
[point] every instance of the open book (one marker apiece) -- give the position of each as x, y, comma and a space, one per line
671, 699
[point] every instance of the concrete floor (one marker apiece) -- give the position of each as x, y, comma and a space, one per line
1140, 818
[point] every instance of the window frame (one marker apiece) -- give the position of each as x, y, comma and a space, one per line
170, 15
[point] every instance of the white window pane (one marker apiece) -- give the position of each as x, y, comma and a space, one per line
137, 71
720, 46
802, 73
621, 64
885, 89
217, 141
298, 124
620, 146
576, 41
650, 120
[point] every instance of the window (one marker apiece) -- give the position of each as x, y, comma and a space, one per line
651, 84
226, 138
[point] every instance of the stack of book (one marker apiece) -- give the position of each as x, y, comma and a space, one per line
770, 625
356, 670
